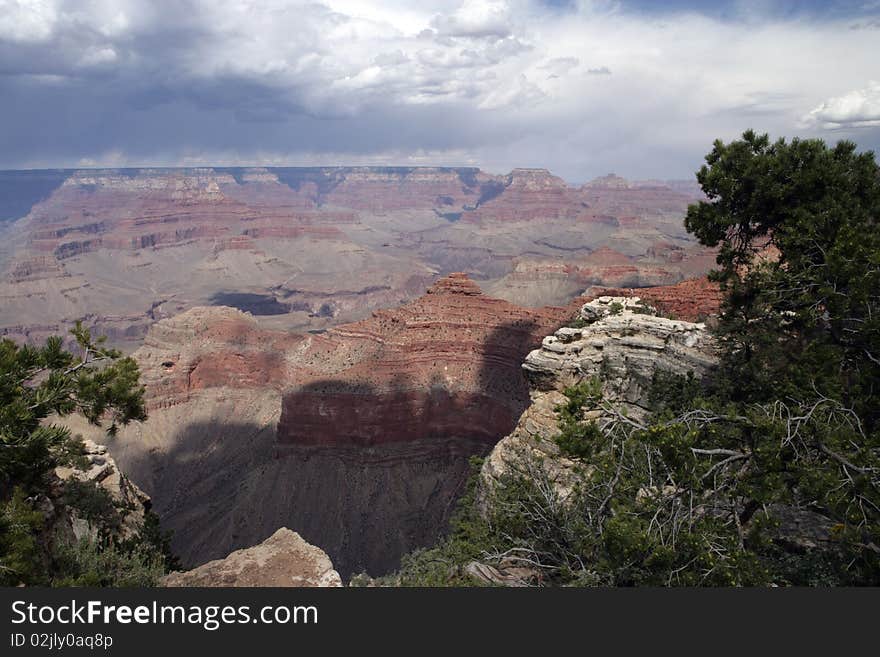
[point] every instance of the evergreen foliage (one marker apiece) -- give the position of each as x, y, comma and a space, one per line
36, 384
766, 473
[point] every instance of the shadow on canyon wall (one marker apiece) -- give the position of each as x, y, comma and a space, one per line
367, 473
256, 304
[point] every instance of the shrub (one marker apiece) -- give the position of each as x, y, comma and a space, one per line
93, 563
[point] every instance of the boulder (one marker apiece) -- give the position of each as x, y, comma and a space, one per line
283, 559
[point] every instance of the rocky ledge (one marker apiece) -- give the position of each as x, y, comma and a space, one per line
622, 342
283, 559
98, 468
618, 341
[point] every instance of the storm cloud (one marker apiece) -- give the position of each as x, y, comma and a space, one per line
582, 88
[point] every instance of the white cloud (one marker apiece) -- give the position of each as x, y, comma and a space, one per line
27, 21
560, 65
518, 83
476, 18
97, 56
856, 109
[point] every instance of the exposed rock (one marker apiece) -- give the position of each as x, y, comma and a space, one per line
536, 281
101, 469
121, 249
444, 365
692, 300
609, 181
359, 437
622, 344
283, 559
531, 445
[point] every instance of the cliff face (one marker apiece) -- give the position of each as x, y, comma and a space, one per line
68, 524
444, 365
311, 248
691, 300
359, 437
622, 344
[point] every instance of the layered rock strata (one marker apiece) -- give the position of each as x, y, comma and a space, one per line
692, 300
311, 248
359, 437
621, 344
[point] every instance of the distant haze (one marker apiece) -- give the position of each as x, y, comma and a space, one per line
577, 86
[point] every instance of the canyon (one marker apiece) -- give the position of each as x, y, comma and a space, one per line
326, 349
358, 438
305, 249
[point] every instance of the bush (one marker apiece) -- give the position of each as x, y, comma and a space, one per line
20, 553
698, 493
577, 438
93, 563
36, 383
93, 503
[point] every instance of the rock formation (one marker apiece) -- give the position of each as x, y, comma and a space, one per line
621, 344
311, 248
692, 300
444, 365
359, 437
66, 523
283, 559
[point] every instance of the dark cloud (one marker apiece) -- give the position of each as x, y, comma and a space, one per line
499, 83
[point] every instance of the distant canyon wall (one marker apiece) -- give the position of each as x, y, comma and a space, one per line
312, 248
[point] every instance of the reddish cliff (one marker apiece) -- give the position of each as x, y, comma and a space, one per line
92, 211
319, 247
692, 300
447, 364
523, 195
359, 436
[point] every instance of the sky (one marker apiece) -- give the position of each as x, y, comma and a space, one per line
580, 87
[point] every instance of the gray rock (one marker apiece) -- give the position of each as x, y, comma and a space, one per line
103, 471
622, 346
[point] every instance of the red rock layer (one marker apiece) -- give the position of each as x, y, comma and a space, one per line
209, 348
691, 300
526, 194
99, 210
377, 421
368, 418
323, 246
447, 364
105, 209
